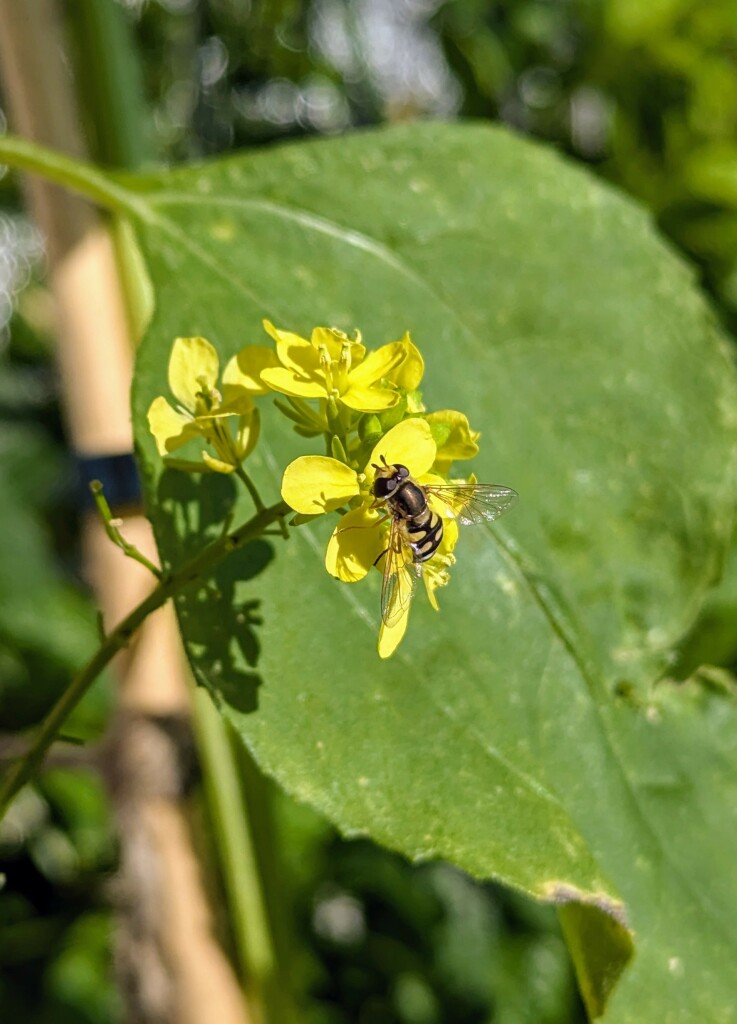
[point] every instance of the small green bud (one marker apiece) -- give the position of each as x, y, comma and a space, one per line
337, 450
440, 432
369, 425
395, 415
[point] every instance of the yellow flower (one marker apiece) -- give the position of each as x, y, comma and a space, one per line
202, 409
408, 374
332, 366
245, 368
314, 484
454, 438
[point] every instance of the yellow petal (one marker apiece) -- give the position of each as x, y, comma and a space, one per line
217, 465
356, 543
249, 428
432, 581
391, 636
377, 364
170, 428
450, 537
410, 443
432, 479
436, 574
236, 402
414, 402
431, 585
290, 383
193, 365
279, 335
244, 369
368, 399
316, 483
408, 374
294, 353
459, 441
331, 339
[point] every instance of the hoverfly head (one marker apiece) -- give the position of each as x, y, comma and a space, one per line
388, 477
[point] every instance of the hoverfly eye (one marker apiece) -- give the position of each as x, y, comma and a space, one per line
402, 472
383, 487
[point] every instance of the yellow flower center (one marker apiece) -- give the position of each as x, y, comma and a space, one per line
326, 367
335, 371
207, 399
343, 367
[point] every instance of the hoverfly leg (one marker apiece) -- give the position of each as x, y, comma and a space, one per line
379, 557
395, 543
378, 522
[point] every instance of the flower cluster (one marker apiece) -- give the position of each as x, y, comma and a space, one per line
368, 408
204, 410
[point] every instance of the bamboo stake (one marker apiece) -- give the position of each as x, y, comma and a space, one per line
182, 975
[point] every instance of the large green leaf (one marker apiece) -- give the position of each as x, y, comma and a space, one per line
519, 733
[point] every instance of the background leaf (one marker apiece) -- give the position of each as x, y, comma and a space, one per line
518, 733
47, 625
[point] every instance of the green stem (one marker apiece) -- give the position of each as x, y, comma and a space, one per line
109, 80
227, 452
112, 529
76, 175
237, 847
242, 475
119, 638
251, 487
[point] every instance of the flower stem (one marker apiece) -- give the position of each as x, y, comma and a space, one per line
112, 529
169, 585
242, 475
250, 486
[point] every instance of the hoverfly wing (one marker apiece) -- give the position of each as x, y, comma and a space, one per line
471, 504
400, 575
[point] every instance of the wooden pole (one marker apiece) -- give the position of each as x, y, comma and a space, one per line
173, 969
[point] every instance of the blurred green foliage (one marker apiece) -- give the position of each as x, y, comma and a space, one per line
425, 945
644, 92
56, 848
647, 93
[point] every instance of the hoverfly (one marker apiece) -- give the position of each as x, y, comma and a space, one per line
416, 530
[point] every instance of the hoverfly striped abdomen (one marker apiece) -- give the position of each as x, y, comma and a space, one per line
424, 535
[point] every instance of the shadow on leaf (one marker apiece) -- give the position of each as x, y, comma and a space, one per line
195, 509
218, 614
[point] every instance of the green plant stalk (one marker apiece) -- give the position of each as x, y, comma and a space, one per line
170, 584
236, 845
109, 81
76, 175
86, 179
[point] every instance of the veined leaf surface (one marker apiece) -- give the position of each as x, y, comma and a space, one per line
528, 732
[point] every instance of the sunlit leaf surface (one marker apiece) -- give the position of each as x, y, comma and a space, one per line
520, 733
